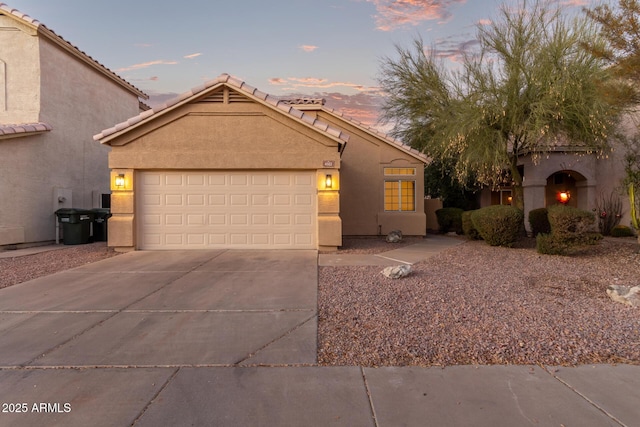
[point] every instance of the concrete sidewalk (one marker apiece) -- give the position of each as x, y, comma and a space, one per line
229, 338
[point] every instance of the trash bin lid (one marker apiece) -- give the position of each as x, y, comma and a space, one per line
101, 213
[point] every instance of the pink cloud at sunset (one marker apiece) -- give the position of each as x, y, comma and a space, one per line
146, 64
394, 14
193, 55
295, 83
308, 47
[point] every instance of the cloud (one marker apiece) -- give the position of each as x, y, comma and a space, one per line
193, 55
308, 47
143, 45
485, 22
577, 3
277, 81
454, 47
145, 65
363, 107
392, 14
296, 83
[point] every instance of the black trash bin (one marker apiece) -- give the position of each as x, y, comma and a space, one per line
76, 225
100, 217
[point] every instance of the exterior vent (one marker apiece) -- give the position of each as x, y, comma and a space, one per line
236, 97
225, 96
216, 97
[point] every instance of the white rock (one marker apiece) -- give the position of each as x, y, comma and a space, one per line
397, 272
394, 236
625, 294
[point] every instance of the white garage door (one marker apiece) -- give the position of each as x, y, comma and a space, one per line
199, 210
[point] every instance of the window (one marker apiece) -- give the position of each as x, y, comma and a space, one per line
399, 171
400, 196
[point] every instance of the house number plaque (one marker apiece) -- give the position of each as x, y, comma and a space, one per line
328, 163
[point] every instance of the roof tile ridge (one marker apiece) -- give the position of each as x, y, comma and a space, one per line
375, 131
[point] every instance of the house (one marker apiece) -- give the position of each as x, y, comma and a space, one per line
53, 98
228, 166
569, 175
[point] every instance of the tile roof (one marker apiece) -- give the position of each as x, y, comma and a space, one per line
238, 85
302, 102
51, 35
23, 129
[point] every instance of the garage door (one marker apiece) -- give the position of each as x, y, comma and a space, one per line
213, 209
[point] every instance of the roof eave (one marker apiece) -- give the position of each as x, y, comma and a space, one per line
372, 132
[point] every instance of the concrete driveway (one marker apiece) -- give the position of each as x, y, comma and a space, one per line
212, 308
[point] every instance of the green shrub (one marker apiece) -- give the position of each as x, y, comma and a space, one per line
570, 227
498, 225
547, 244
450, 219
539, 221
621, 231
468, 228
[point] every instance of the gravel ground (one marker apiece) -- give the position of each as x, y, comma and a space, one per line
20, 269
476, 304
372, 245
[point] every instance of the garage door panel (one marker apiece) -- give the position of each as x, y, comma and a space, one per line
199, 210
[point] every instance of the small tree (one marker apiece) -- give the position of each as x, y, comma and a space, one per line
531, 85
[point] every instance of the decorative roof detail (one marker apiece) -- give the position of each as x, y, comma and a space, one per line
23, 129
237, 85
74, 50
304, 101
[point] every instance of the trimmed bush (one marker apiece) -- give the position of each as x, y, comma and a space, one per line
468, 228
547, 244
621, 231
539, 221
450, 219
498, 225
570, 227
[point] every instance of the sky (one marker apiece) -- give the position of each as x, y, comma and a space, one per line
321, 48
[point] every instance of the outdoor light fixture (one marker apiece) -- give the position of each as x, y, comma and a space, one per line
328, 182
120, 180
563, 197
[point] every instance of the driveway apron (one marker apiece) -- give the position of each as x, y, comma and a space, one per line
165, 309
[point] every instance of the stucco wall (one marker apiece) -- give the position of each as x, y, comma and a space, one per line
362, 190
218, 136
207, 135
20, 73
77, 102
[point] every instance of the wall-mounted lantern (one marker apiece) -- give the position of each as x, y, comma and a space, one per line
119, 180
328, 182
563, 197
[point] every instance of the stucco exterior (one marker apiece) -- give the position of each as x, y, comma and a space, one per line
44, 79
364, 159
226, 125
586, 177
223, 128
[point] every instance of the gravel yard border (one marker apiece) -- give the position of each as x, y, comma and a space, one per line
20, 269
476, 304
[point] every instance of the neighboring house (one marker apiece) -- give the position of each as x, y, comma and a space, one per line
228, 166
585, 177
53, 98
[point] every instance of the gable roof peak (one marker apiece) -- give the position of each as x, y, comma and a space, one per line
237, 85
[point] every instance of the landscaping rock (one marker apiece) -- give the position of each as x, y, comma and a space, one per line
625, 294
394, 236
397, 272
